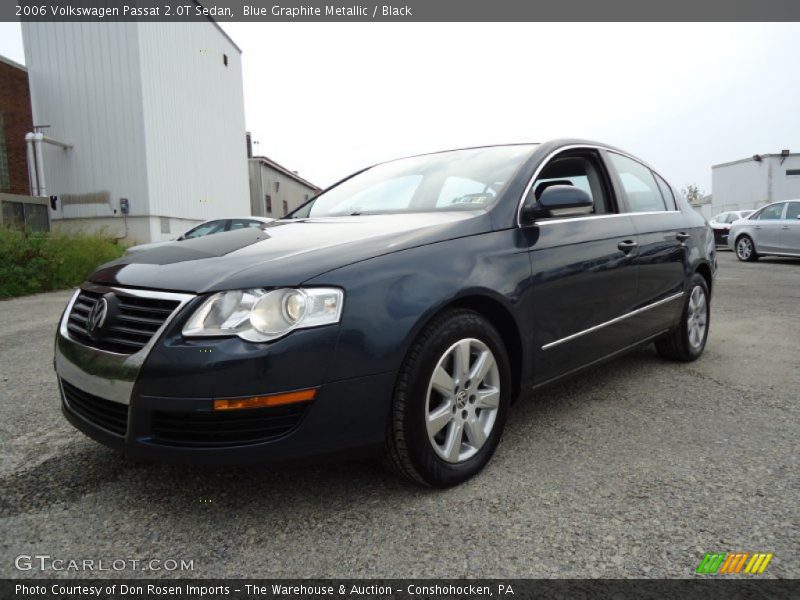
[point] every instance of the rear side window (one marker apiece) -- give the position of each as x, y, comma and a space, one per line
793, 211
666, 192
640, 186
771, 212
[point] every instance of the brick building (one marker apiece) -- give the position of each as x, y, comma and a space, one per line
15, 121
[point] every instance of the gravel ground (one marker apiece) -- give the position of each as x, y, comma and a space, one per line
634, 469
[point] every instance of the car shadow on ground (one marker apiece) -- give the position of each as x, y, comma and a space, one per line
86, 467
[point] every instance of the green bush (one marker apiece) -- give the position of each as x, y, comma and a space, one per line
32, 262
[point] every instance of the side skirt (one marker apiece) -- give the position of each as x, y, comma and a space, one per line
601, 360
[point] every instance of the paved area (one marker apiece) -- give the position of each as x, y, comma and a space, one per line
634, 469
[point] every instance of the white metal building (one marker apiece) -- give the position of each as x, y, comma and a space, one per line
755, 181
150, 112
275, 190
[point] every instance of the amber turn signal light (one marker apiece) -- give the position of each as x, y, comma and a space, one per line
265, 401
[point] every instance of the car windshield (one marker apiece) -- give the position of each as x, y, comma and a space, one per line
446, 181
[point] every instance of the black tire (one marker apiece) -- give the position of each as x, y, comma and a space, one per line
745, 249
408, 450
677, 344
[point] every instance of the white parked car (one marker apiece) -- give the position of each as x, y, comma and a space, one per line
721, 224
772, 230
207, 228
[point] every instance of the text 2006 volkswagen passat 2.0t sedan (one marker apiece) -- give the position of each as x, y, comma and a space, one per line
400, 311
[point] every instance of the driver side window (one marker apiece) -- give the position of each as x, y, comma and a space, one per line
578, 171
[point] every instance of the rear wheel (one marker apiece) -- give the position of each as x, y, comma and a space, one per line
687, 342
746, 249
450, 402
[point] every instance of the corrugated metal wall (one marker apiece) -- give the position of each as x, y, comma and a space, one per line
194, 122
746, 185
85, 83
154, 116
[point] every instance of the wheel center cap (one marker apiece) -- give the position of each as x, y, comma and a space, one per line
461, 399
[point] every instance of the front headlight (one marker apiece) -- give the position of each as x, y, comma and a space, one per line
260, 315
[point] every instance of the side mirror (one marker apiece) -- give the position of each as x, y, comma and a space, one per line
557, 200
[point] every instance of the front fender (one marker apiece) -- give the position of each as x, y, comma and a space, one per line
389, 299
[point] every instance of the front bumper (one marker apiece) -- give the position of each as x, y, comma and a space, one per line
346, 417
157, 404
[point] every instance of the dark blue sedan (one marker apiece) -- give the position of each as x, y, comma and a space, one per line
400, 311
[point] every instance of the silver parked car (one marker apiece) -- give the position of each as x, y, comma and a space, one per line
772, 230
721, 224
206, 228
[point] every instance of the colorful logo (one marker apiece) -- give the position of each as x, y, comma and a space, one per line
724, 563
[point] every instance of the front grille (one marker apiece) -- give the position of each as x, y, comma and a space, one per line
129, 327
215, 429
112, 416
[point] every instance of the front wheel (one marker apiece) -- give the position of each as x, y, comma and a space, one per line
687, 342
450, 401
746, 249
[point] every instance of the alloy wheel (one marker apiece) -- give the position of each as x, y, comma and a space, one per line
463, 400
697, 317
744, 248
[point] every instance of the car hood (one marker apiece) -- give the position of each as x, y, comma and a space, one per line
284, 253
150, 246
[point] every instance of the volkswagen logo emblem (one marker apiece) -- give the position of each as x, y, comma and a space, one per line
97, 317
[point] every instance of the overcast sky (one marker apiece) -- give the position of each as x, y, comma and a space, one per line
327, 99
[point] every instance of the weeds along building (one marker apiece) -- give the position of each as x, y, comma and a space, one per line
146, 118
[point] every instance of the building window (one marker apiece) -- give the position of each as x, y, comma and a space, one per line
268, 202
225, 59
164, 224
792, 171
5, 178
277, 186
285, 208
306, 197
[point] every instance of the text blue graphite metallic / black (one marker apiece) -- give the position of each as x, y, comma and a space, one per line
401, 311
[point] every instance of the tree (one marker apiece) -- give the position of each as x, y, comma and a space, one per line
693, 193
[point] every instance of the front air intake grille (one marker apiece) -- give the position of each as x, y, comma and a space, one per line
111, 416
216, 429
131, 321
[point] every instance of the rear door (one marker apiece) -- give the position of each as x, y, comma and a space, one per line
583, 270
662, 256
767, 228
790, 229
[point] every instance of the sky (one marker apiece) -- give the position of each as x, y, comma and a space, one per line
327, 99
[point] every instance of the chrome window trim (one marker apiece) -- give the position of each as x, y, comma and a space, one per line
607, 216
550, 156
569, 338
108, 375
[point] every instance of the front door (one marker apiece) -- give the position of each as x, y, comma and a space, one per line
583, 271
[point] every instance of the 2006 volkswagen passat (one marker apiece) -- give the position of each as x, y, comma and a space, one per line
401, 311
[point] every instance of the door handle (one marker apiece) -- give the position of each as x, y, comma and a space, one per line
785, 227
627, 246
682, 236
